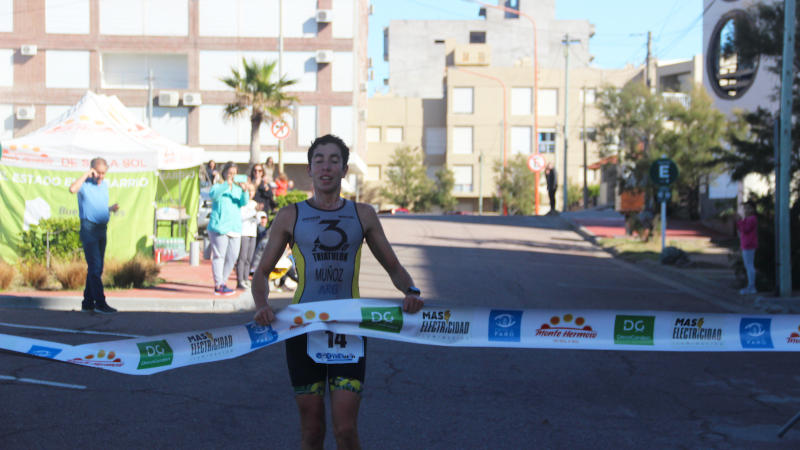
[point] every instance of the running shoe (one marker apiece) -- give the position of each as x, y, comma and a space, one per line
104, 309
87, 306
223, 290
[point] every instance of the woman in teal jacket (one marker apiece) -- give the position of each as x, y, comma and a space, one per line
225, 227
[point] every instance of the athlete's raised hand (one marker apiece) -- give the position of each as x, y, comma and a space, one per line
412, 303
264, 316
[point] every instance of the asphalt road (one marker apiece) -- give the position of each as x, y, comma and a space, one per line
423, 396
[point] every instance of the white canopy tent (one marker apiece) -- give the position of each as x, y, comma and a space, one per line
36, 170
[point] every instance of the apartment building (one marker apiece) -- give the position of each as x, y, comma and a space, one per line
463, 92
52, 51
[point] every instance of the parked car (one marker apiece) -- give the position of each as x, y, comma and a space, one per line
394, 211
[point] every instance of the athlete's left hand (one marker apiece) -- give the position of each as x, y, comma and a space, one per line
412, 303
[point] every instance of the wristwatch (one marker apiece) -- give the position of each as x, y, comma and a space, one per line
414, 290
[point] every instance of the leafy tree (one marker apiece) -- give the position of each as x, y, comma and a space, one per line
407, 184
631, 121
442, 194
265, 100
752, 134
693, 142
516, 184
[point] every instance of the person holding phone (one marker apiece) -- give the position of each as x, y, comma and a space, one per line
93, 210
225, 226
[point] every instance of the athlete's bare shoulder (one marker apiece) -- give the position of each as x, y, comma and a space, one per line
366, 213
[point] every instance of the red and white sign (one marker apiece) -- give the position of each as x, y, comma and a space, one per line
280, 129
536, 162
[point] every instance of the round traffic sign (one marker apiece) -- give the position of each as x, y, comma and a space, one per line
280, 129
663, 171
536, 162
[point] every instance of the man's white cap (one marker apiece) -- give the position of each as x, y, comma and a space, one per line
261, 214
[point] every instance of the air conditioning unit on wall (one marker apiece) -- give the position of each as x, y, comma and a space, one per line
168, 98
324, 56
324, 16
28, 50
26, 112
192, 99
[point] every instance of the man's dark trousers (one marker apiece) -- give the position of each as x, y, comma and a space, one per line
93, 238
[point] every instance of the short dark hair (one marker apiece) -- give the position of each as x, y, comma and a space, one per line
228, 166
329, 139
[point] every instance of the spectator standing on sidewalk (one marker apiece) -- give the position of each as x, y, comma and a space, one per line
283, 185
269, 171
748, 240
225, 227
265, 196
248, 246
93, 211
552, 185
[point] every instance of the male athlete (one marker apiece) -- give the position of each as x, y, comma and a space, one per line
326, 233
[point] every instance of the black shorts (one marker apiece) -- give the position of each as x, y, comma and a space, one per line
309, 377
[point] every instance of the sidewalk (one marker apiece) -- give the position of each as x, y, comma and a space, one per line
709, 275
186, 289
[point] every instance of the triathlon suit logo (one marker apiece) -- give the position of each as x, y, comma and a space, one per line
326, 248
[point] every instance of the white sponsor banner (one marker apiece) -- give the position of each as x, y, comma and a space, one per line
457, 326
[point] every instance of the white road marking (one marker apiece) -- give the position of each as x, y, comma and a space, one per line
67, 330
42, 382
615, 288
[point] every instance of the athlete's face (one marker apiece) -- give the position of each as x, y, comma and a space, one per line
326, 169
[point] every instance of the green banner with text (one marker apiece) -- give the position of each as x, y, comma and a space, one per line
179, 189
29, 195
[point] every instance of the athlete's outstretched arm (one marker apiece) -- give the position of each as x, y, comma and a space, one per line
380, 247
279, 235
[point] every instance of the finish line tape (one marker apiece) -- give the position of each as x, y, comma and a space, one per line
433, 325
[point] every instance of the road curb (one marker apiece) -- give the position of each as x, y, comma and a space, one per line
241, 302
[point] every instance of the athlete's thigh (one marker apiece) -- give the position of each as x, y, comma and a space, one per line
307, 376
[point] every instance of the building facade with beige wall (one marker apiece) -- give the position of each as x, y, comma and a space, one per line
53, 51
465, 130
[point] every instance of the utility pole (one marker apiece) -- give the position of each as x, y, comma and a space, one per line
480, 183
585, 170
280, 74
566, 43
648, 81
783, 176
150, 98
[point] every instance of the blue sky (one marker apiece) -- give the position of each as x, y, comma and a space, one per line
620, 27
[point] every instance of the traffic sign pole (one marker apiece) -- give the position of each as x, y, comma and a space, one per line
663, 172
536, 164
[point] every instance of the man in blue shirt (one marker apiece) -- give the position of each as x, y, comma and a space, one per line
94, 211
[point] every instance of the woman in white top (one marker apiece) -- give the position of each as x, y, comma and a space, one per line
249, 225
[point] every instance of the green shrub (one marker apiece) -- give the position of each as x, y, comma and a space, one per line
65, 241
289, 198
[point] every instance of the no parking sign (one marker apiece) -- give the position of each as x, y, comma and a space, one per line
280, 130
536, 162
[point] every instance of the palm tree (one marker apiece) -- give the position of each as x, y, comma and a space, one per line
257, 94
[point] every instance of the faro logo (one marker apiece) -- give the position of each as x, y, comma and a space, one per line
388, 318
634, 330
154, 354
